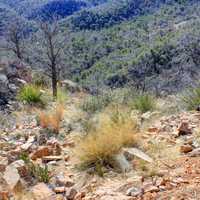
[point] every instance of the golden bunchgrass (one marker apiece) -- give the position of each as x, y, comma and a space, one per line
52, 120
109, 138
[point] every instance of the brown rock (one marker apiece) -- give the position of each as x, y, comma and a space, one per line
62, 180
186, 148
152, 129
66, 158
41, 152
21, 167
59, 189
184, 129
3, 163
70, 193
42, 192
80, 196
4, 189
151, 188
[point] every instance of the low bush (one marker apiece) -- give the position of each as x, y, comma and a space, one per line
94, 104
144, 103
191, 98
41, 80
51, 120
42, 174
31, 94
110, 136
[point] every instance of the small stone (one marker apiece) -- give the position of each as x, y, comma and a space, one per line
80, 196
152, 129
12, 178
151, 188
186, 148
138, 153
59, 189
134, 192
122, 163
3, 163
21, 167
184, 129
62, 180
66, 158
41, 152
41, 191
195, 153
51, 158
28, 144
70, 193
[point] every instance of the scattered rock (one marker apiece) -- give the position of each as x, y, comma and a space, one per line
42, 192
28, 144
59, 190
122, 163
134, 192
184, 129
3, 163
41, 152
151, 188
138, 153
70, 193
186, 148
12, 178
21, 167
62, 180
195, 153
46, 159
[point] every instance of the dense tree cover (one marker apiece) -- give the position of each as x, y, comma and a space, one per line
114, 12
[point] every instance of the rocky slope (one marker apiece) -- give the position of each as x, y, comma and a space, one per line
172, 142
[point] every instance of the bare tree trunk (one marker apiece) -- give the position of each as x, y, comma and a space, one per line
54, 81
18, 51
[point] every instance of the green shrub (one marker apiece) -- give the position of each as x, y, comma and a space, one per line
144, 103
191, 98
94, 104
30, 94
40, 173
41, 80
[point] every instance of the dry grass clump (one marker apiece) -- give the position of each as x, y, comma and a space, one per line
53, 119
110, 136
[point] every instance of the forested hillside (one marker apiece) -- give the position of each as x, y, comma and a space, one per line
115, 43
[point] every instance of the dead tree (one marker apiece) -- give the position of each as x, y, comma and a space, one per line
15, 38
52, 46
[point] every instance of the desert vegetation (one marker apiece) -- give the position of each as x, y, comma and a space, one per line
99, 99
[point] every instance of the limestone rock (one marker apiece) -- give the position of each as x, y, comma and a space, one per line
122, 163
12, 177
138, 153
42, 192
3, 163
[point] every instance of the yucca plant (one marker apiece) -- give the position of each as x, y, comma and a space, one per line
30, 94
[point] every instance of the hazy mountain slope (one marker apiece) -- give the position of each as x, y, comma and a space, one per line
149, 52
116, 11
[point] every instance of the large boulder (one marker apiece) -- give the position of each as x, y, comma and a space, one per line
4, 89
